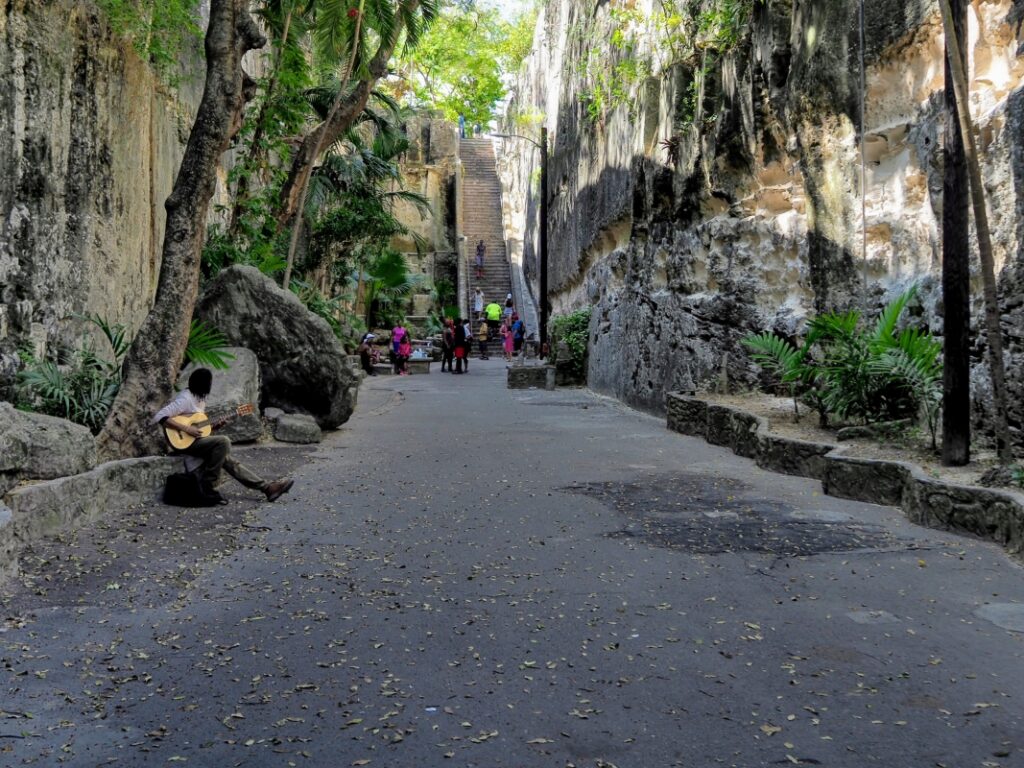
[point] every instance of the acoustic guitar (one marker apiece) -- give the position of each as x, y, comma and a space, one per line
181, 440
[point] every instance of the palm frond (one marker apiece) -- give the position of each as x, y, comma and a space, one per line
420, 202
206, 346
885, 326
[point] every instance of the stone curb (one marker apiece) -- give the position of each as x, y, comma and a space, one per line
29, 513
994, 515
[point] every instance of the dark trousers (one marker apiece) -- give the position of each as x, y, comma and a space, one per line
215, 451
364, 358
458, 365
483, 350
447, 356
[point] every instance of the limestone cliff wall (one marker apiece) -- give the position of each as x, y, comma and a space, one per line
90, 142
757, 222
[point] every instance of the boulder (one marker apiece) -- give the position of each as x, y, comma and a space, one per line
272, 414
237, 385
302, 363
297, 428
39, 447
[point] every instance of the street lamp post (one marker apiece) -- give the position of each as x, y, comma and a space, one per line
543, 147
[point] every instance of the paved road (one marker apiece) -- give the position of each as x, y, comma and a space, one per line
468, 576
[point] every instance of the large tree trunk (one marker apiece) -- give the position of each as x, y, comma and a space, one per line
956, 277
155, 358
994, 333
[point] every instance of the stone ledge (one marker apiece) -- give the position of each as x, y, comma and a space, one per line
994, 515
531, 377
31, 512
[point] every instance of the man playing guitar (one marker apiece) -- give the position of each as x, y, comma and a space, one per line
215, 450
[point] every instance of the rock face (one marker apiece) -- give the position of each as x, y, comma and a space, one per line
38, 447
237, 385
752, 221
302, 363
90, 143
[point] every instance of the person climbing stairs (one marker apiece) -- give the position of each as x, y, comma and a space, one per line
481, 205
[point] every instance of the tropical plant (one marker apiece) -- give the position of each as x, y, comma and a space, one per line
386, 285
782, 358
868, 374
207, 346
79, 385
573, 329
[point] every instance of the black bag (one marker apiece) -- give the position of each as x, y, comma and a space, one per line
185, 489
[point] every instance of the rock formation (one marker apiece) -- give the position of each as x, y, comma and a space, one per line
34, 446
303, 365
698, 210
90, 142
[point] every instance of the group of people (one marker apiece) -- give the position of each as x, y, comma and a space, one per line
457, 341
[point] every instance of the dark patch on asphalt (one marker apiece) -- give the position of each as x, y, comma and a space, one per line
704, 515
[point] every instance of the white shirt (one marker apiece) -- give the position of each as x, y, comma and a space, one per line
478, 303
184, 404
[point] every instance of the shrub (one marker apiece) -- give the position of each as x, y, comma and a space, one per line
867, 374
574, 330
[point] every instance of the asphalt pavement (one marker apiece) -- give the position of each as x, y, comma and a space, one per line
467, 575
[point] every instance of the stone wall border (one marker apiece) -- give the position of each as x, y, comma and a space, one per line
30, 512
994, 515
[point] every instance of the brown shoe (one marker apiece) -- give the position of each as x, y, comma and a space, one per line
278, 488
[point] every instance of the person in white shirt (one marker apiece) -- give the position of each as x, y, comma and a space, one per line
215, 450
478, 303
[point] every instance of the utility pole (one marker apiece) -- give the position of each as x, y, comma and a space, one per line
956, 276
544, 308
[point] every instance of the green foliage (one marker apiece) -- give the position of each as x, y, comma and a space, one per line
334, 309
867, 374
456, 67
695, 33
387, 285
159, 30
444, 293
574, 330
81, 384
206, 346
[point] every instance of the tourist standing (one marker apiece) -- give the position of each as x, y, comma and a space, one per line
404, 353
397, 334
518, 334
506, 340
481, 252
478, 303
510, 308
467, 328
448, 346
481, 336
460, 345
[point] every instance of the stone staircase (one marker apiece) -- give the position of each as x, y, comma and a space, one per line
481, 206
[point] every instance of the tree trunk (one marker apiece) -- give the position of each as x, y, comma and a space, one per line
342, 116
994, 333
956, 277
155, 357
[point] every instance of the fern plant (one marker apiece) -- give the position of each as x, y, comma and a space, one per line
791, 364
